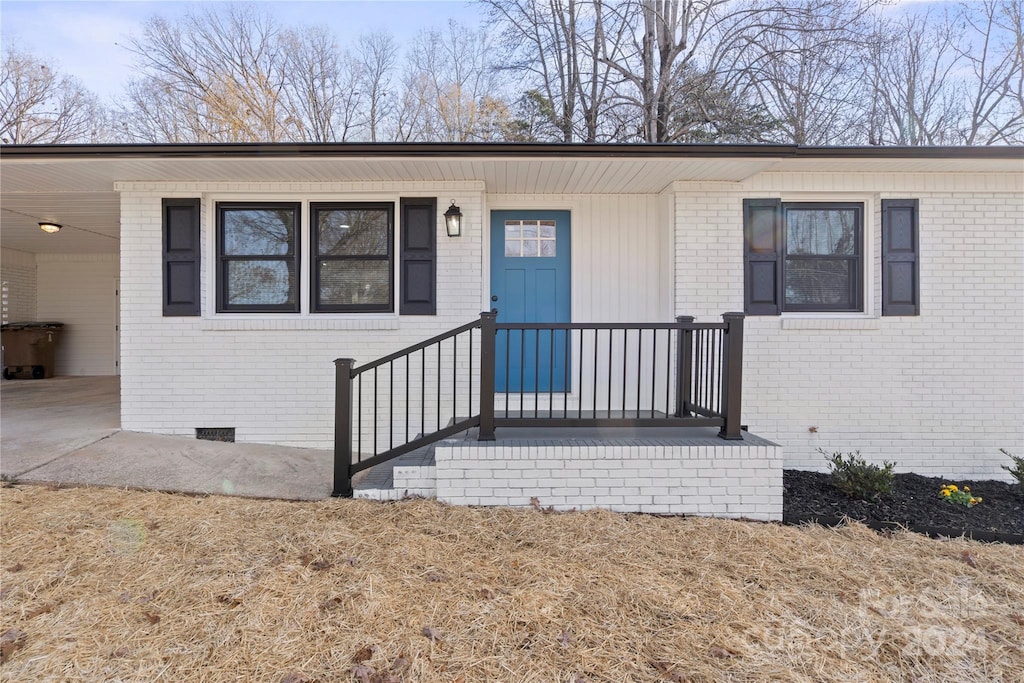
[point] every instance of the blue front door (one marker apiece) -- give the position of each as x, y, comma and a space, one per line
530, 283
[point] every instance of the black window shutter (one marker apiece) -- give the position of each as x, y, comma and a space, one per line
763, 253
181, 257
901, 275
418, 257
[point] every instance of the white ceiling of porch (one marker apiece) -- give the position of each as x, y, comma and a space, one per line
91, 221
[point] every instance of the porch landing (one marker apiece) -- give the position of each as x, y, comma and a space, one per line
655, 470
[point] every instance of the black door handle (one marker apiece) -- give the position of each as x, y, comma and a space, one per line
494, 297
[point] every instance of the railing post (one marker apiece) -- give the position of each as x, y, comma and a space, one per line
343, 428
732, 376
684, 366
488, 338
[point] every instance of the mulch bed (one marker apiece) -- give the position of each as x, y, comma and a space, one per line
914, 502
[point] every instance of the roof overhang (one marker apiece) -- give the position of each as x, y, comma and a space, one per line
75, 184
505, 150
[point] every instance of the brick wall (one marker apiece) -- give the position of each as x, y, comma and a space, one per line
17, 286
939, 393
269, 376
720, 479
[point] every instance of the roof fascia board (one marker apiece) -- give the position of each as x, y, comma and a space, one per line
500, 150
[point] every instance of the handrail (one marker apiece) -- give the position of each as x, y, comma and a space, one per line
415, 347
691, 375
612, 326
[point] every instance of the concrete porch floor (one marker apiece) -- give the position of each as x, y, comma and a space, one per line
66, 430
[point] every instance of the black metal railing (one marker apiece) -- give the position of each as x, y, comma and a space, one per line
679, 374
403, 401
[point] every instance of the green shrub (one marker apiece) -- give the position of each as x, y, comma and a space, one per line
1018, 466
857, 478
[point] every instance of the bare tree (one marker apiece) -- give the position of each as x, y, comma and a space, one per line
412, 111
219, 70
631, 70
810, 72
995, 53
320, 93
377, 55
808, 80
560, 49
912, 63
450, 89
652, 66
42, 106
154, 112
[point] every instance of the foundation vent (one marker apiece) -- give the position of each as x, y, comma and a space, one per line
216, 434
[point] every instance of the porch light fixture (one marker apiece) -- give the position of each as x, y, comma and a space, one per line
453, 220
50, 227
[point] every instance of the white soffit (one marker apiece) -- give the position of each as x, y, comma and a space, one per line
541, 175
550, 175
78, 191
920, 165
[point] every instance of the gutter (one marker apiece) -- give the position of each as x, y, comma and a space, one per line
500, 149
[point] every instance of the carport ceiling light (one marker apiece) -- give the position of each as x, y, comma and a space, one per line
50, 227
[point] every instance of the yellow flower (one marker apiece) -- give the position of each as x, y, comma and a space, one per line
945, 493
952, 487
967, 488
980, 499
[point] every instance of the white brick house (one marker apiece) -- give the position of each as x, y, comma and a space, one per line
913, 354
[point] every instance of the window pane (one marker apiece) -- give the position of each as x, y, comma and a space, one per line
513, 247
547, 248
529, 228
825, 232
529, 247
348, 282
260, 283
353, 232
547, 228
822, 282
512, 229
259, 232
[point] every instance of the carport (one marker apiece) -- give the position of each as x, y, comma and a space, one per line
70, 276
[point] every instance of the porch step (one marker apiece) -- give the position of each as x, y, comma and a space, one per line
412, 474
656, 470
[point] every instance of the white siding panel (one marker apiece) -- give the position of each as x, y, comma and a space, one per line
620, 273
78, 290
619, 269
17, 285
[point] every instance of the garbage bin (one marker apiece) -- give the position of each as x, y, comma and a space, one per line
28, 349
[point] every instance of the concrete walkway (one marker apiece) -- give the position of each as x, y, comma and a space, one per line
65, 430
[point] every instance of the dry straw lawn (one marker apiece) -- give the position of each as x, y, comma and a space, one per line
102, 584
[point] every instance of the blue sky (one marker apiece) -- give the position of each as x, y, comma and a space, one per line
82, 37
